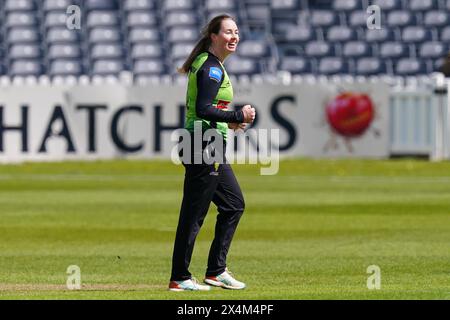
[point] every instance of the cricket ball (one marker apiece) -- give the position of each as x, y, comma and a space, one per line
350, 114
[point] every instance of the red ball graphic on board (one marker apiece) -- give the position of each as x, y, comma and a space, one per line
350, 114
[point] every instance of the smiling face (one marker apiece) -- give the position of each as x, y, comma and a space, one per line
226, 41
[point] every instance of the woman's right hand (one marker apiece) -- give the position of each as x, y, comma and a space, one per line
249, 113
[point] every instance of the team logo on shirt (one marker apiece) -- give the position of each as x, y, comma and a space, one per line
215, 74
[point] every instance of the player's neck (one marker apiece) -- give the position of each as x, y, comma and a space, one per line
220, 56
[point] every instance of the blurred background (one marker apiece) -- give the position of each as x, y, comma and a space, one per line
337, 90
391, 50
152, 37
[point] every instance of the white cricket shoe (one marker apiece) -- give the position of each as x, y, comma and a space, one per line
225, 280
187, 285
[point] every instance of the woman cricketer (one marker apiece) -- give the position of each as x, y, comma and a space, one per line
209, 94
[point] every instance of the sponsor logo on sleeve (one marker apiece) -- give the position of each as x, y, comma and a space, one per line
215, 74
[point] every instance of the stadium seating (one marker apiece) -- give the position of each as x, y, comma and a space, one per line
242, 66
370, 66
153, 37
296, 65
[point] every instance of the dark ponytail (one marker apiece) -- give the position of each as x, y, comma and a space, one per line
205, 42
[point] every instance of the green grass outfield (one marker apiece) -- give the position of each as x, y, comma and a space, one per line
309, 232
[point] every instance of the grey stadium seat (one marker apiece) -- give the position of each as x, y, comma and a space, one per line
107, 67
136, 5
332, 65
295, 65
258, 12
65, 68
142, 51
173, 19
104, 35
55, 19
148, 67
173, 5
393, 50
241, 66
347, 5
317, 49
356, 49
183, 34
106, 51
432, 49
20, 19
436, 19
181, 50
25, 68
409, 67
284, 4
299, 34
141, 19
370, 66
400, 18
253, 49
64, 51
341, 34
57, 5
415, 34
422, 5
323, 18
358, 19
382, 35
22, 35
19, 5
24, 51
214, 5
143, 35
61, 35
102, 19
